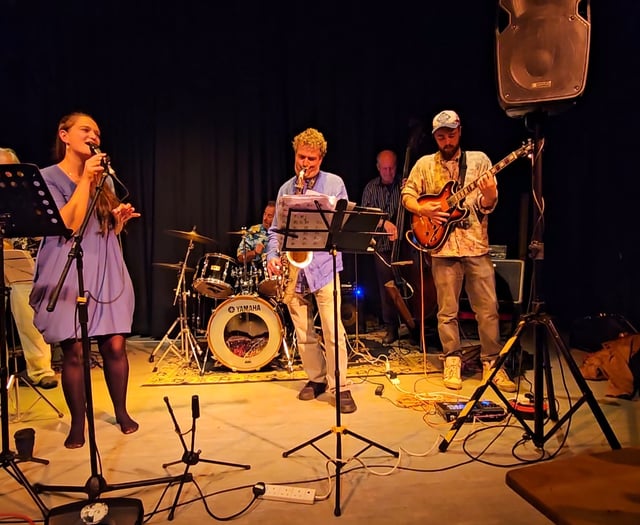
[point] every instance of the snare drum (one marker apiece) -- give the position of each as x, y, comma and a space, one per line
245, 333
215, 276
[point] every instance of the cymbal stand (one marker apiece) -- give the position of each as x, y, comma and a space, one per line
246, 283
190, 456
184, 345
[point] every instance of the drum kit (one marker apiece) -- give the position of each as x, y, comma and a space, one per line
246, 327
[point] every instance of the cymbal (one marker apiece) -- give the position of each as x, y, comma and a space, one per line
191, 236
177, 267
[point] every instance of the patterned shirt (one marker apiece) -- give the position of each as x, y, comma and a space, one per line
387, 198
256, 234
428, 176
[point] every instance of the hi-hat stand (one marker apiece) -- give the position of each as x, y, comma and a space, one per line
543, 326
26, 210
190, 456
184, 345
347, 231
96, 483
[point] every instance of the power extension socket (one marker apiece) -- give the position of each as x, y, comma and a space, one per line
291, 494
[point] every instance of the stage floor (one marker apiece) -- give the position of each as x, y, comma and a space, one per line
255, 422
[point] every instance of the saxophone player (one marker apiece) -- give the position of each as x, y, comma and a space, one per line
314, 280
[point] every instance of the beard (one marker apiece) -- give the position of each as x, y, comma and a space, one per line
448, 152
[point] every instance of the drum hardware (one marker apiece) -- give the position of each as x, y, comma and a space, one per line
184, 345
245, 284
246, 279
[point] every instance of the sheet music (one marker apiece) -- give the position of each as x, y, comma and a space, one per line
307, 227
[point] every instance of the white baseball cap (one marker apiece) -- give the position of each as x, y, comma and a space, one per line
446, 119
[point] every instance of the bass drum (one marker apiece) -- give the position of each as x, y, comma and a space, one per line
245, 333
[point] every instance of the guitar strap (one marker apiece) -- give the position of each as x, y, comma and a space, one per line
462, 168
462, 172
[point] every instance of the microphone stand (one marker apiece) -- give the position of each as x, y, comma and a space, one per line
96, 484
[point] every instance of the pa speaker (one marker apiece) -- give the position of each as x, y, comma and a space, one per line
542, 52
112, 511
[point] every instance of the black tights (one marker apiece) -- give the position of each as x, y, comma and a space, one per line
116, 373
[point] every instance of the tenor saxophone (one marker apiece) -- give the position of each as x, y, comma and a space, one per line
292, 262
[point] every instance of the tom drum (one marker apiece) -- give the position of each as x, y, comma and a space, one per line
215, 276
245, 333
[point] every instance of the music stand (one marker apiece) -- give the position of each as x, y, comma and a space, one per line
324, 230
26, 210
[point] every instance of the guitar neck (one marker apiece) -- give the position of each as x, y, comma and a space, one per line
454, 199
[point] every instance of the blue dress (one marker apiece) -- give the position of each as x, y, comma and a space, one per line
107, 284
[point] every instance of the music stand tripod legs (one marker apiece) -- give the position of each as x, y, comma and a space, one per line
334, 230
190, 456
8, 459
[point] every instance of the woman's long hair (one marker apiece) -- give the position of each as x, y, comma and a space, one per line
107, 199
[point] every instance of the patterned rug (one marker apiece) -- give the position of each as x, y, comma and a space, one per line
367, 358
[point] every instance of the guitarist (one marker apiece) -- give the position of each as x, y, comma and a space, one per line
464, 255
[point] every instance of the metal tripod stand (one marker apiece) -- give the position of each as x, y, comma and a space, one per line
184, 345
190, 456
21, 377
542, 326
356, 236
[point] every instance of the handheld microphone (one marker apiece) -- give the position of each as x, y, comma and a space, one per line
106, 161
195, 407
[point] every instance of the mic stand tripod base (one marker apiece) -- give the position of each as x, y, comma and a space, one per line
96, 485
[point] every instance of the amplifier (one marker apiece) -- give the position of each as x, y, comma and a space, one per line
509, 279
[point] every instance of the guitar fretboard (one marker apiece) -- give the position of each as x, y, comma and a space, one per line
458, 196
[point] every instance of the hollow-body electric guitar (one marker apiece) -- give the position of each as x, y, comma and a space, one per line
431, 236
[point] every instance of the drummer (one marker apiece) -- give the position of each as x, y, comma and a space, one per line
254, 242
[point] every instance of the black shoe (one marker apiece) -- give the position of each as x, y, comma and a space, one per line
347, 404
47, 382
311, 390
390, 336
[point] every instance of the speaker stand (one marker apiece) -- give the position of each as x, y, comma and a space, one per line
542, 326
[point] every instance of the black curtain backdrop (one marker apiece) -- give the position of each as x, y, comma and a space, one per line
198, 104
